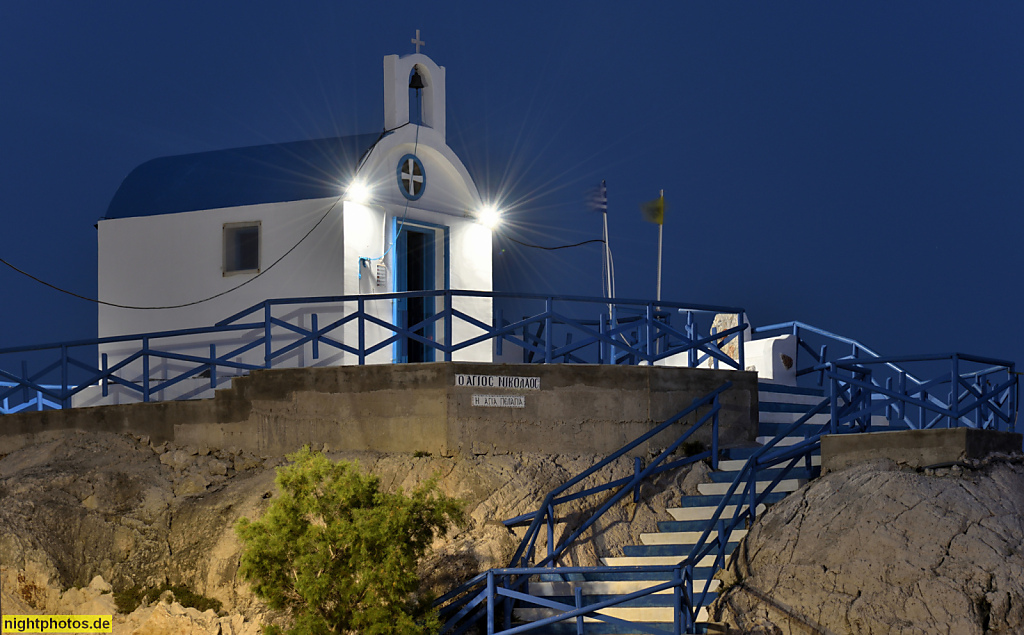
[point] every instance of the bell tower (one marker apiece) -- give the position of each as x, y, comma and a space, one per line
414, 71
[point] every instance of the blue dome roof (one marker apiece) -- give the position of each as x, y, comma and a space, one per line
240, 176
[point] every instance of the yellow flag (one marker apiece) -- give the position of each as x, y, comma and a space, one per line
654, 211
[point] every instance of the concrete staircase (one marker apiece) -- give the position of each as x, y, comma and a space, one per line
779, 406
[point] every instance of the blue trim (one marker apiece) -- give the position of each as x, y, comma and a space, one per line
401, 186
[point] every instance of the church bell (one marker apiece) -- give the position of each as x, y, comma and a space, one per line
416, 81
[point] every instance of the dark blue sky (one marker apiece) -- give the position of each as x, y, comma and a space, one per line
858, 166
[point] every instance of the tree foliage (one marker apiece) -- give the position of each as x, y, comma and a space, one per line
339, 554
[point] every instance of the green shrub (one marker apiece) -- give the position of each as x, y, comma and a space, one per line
129, 599
339, 554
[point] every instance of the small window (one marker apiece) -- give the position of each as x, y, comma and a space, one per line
241, 248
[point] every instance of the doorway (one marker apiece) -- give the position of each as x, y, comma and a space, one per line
416, 257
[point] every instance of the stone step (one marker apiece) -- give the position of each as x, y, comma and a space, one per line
600, 587
704, 514
653, 561
735, 465
664, 598
699, 573
655, 617
670, 526
788, 407
790, 418
785, 442
785, 485
766, 474
678, 551
714, 501
684, 537
781, 397
766, 387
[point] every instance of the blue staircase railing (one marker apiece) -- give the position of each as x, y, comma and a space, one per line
921, 391
853, 398
26, 401
287, 332
461, 606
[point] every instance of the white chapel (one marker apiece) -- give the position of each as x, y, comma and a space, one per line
189, 241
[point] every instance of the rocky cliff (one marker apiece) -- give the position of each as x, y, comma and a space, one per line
880, 549
137, 514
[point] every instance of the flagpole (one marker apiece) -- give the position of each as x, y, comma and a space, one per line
661, 227
607, 261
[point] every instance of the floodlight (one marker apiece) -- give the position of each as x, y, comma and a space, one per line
489, 216
358, 192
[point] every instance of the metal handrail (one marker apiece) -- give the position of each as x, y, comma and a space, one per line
652, 338
846, 408
461, 603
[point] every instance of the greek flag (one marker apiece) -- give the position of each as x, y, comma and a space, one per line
597, 199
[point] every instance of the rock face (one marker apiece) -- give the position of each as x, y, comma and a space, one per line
876, 549
98, 504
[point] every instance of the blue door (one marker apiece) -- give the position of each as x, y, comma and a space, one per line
415, 272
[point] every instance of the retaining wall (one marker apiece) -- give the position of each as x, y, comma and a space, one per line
443, 408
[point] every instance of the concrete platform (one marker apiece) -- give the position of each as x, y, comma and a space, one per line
444, 408
915, 448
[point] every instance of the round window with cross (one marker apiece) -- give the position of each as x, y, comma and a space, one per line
412, 180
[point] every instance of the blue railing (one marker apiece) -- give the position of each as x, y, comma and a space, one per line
920, 391
464, 605
376, 328
854, 397
26, 400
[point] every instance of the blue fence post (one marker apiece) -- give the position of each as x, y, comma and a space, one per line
888, 406
901, 409
722, 542
104, 382
742, 321
714, 433
361, 308
752, 493
821, 360
145, 370
448, 337
577, 594
499, 323
24, 381
602, 348
714, 360
551, 534
954, 392
213, 366
638, 466
267, 348
314, 325
549, 305
65, 399
490, 602
834, 402
649, 344
1014, 390
691, 332
613, 322
688, 623
677, 601
39, 400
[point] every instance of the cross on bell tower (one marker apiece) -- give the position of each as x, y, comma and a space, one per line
417, 41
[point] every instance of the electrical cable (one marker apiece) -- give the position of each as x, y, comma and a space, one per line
175, 306
585, 242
